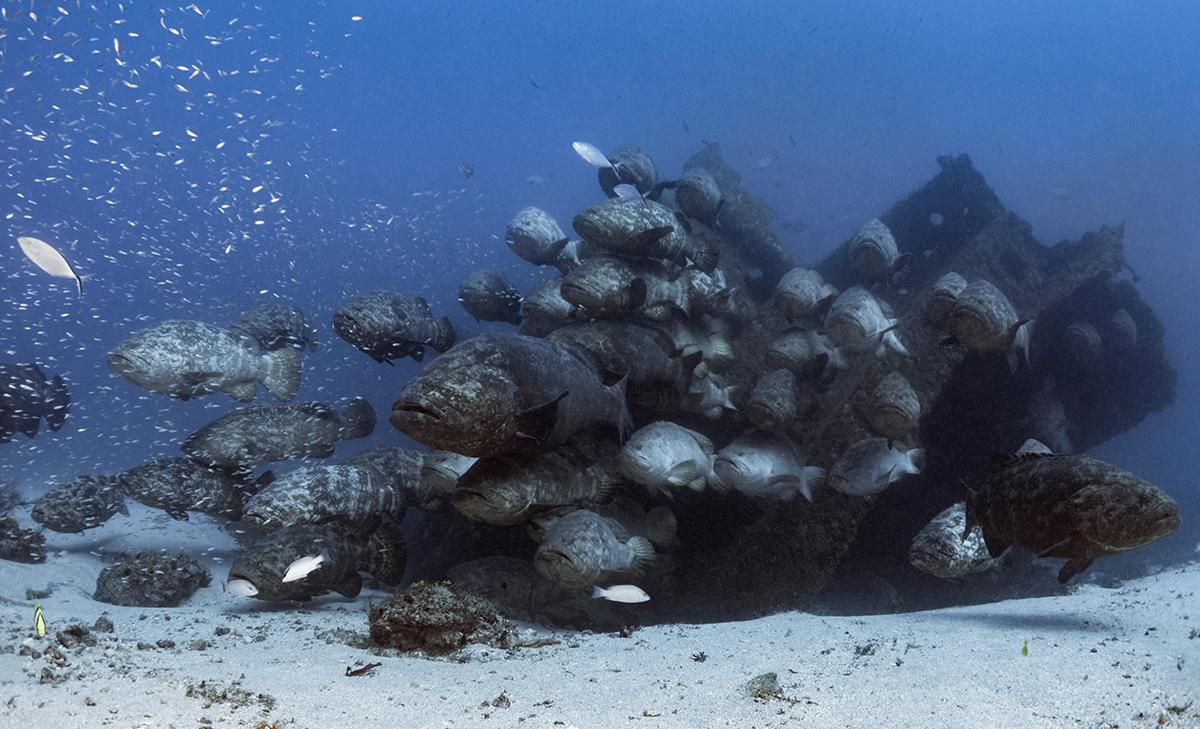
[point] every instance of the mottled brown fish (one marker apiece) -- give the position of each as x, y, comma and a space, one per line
1072, 507
894, 407
515, 489
501, 393
488, 296
644, 229
250, 437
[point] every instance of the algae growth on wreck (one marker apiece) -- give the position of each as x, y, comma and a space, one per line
578, 365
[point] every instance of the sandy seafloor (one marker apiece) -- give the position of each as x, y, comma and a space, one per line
1128, 656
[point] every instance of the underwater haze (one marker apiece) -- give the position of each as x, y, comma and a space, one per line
195, 160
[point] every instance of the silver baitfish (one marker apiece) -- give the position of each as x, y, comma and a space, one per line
585, 548
645, 229
802, 293
874, 253
187, 359
698, 194
27, 397
250, 437
515, 489
629, 164
664, 456
536, 236
488, 296
1071, 507
943, 298
386, 325
83, 503
501, 393
983, 320
322, 493
544, 309
655, 378
776, 401
943, 547
381, 554
894, 407
1122, 330
803, 352
857, 322
871, 465
442, 470
401, 468
180, 485
762, 464
272, 326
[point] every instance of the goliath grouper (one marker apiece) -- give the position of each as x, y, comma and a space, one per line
346, 552
1072, 507
501, 393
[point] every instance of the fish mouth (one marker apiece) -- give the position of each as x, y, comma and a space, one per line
416, 411
555, 556
120, 363
1166, 524
578, 295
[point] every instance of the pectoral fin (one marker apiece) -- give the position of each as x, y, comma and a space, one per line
193, 379
242, 391
538, 421
351, 586
683, 473
1072, 568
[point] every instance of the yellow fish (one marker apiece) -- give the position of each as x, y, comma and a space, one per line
39, 622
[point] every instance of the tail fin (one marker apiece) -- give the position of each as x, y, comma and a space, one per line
643, 553
889, 340
283, 373
706, 253
720, 349
58, 403
727, 395
358, 419
446, 335
624, 421
607, 479
916, 457
388, 554
662, 527
811, 478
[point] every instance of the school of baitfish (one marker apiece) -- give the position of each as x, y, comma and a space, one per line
567, 425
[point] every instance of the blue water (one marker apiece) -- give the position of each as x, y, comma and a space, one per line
1078, 114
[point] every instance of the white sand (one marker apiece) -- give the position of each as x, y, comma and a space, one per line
1122, 656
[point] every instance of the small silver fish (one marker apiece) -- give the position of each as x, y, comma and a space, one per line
591, 154
49, 259
241, 588
304, 566
621, 593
